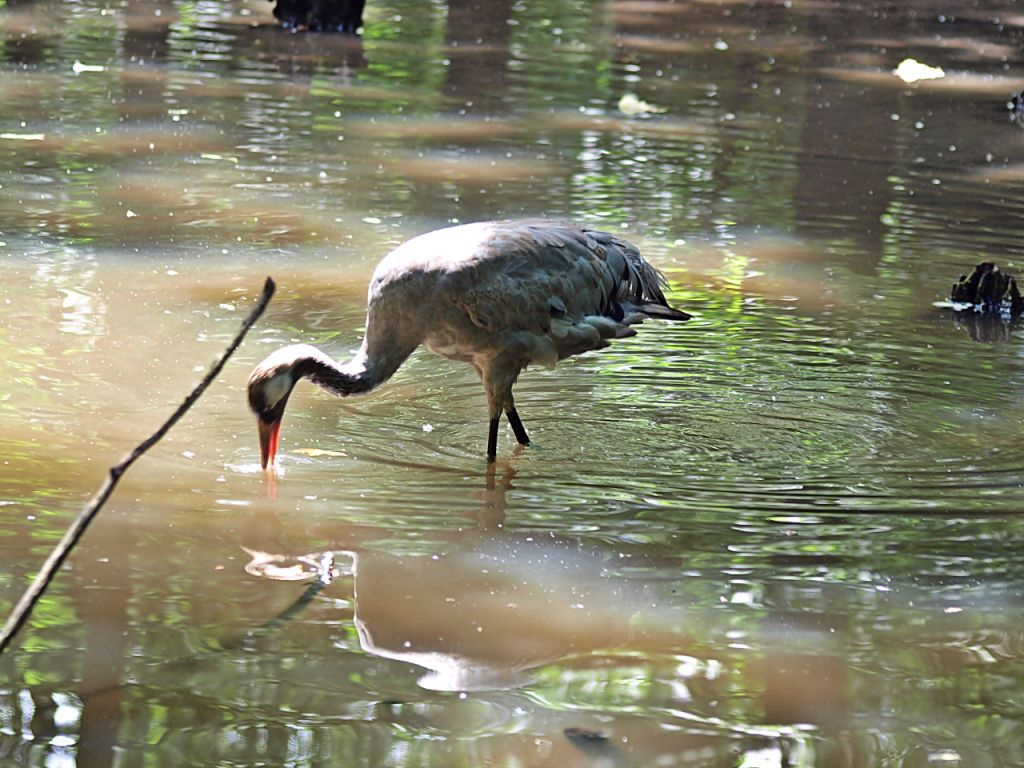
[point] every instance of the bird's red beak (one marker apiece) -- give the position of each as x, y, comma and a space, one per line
269, 433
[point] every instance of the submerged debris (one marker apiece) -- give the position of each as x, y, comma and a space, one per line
989, 291
576, 733
592, 742
320, 15
987, 303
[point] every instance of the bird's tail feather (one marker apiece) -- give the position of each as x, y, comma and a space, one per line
663, 312
640, 287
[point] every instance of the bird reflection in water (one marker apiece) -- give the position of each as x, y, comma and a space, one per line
485, 612
487, 609
481, 613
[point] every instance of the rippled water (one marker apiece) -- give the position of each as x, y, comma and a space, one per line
784, 533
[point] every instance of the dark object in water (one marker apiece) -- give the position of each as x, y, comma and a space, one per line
576, 733
989, 290
1016, 107
592, 742
320, 15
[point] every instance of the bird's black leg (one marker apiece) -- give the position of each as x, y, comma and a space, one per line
492, 438
517, 426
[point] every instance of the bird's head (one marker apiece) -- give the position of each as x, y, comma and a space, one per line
270, 384
268, 395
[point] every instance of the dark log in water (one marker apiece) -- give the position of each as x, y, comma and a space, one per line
989, 290
320, 15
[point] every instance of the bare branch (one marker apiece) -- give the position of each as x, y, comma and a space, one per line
49, 568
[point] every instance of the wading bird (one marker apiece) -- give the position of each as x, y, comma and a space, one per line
496, 295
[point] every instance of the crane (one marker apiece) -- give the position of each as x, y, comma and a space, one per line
496, 295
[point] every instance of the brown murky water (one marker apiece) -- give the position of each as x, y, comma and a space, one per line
785, 533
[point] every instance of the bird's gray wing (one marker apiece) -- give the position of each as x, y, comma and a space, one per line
555, 288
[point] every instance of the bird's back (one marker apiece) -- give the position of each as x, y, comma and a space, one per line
536, 290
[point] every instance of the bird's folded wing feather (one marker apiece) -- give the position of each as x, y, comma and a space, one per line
528, 276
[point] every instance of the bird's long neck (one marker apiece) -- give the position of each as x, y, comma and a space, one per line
360, 374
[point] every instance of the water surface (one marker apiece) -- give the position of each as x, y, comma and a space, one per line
784, 533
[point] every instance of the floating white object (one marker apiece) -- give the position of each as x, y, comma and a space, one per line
317, 452
629, 104
78, 68
912, 70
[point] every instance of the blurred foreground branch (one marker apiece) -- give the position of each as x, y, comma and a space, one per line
46, 573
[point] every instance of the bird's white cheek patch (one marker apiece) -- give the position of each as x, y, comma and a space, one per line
276, 388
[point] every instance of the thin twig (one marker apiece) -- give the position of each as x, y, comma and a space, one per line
46, 573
